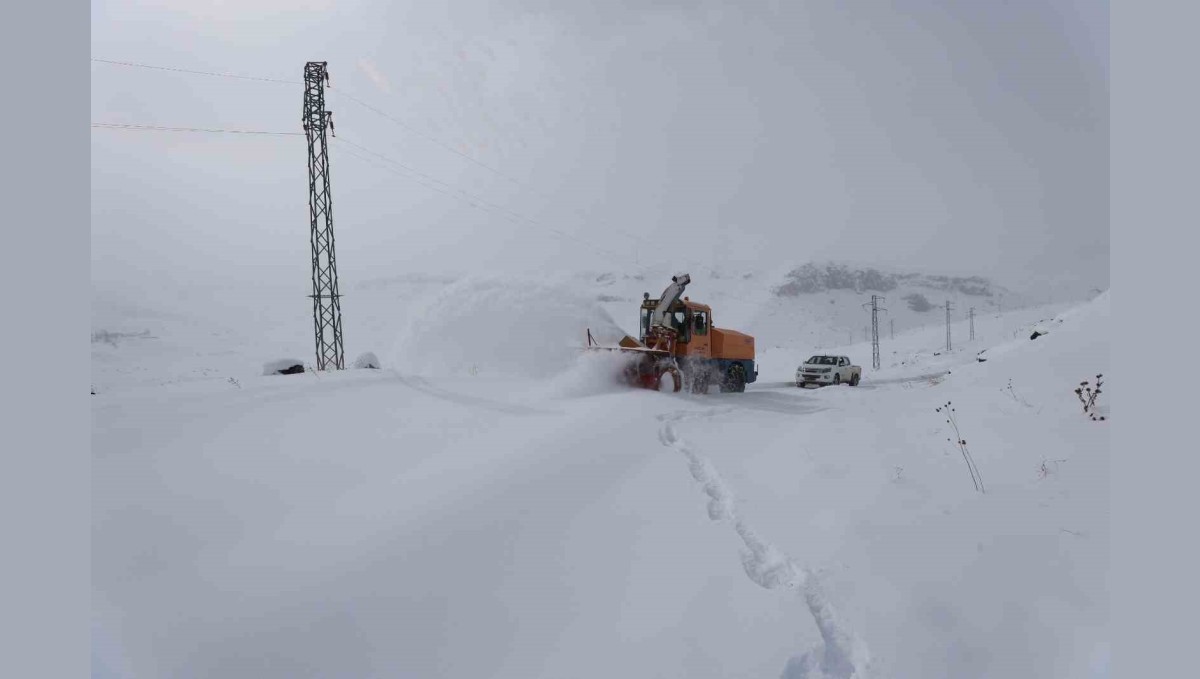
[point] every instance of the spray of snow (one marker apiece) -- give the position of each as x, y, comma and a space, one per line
501, 327
591, 373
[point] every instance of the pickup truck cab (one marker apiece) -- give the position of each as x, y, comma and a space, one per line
822, 369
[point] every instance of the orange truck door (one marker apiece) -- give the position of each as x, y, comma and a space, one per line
700, 343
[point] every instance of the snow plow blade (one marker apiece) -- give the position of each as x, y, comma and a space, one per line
646, 367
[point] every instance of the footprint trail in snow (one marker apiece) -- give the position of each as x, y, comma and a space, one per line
839, 655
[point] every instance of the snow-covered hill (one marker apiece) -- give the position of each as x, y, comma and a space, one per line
215, 331
505, 515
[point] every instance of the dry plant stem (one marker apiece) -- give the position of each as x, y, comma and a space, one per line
1089, 401
976, 476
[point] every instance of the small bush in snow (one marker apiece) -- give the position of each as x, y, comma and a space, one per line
976, 478
1087, 396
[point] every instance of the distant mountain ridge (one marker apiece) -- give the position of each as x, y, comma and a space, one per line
813, 278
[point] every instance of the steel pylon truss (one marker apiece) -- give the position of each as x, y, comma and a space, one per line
327, 308
875, 309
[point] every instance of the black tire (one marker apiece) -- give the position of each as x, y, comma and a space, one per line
735, 380
676, 378
854, 380
837, 379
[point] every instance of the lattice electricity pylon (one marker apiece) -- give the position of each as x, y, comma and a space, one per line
327, 306
875, 309
971, 315
948, 307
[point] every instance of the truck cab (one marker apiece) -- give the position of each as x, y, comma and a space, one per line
704, 352
690, 320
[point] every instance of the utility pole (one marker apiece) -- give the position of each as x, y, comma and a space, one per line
971, 315
875, 309
327, 306
948, 325
892, 325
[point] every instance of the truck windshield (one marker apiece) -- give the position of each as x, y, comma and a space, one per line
822, 360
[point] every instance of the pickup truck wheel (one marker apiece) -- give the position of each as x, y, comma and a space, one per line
837, 379
854, 380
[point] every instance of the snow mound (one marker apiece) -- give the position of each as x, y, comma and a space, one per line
502, 327
366, 360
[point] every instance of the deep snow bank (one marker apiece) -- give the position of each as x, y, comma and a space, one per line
494, 327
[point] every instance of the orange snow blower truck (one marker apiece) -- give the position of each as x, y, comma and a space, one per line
677, 340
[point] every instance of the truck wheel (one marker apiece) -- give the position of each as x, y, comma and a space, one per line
676, 378
735, 380
837, 379
854, 380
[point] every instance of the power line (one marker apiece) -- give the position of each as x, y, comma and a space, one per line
426, 176
163, 128
359, 102
475, 201
188, 70
350, 97
425, 136
462, 196
475, 161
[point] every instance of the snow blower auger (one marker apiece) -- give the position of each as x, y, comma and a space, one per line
678, 339
646, 366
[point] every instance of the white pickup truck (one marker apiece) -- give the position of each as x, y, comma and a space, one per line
823, 369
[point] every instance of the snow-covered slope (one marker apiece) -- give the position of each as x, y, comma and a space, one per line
505, 520
215, 331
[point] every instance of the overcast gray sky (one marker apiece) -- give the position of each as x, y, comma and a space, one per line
961, 137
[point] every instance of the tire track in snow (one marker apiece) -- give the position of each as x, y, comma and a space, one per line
840, 654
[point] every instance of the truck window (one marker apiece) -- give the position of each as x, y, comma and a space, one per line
679, 321
700, 323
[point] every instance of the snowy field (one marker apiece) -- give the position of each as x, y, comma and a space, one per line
492, 504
